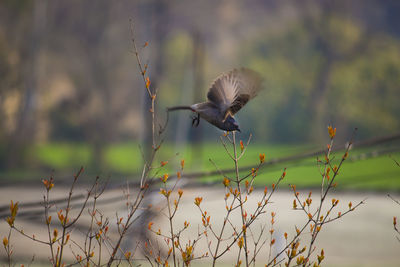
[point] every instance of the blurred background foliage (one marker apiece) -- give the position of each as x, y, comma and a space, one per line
71, 93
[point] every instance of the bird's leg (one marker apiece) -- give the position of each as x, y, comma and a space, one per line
196, 120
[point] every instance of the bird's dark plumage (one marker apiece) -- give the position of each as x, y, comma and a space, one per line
227, 95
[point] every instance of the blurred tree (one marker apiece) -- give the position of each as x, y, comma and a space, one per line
32, 22
157, 16
302, 66
365, 91
93, 61
337, 39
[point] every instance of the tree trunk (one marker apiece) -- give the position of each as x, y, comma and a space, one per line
25, 128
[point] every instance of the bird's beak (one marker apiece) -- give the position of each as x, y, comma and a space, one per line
238, 130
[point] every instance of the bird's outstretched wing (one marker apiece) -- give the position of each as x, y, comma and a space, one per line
232, 90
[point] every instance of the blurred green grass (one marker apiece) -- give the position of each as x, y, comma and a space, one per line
126, 157
377, 172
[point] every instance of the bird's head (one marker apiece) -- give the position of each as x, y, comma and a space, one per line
231, 125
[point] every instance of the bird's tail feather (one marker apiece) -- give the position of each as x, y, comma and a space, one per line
180, 108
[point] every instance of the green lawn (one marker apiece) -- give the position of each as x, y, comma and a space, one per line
125, 160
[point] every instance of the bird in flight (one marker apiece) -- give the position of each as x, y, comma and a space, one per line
226, 96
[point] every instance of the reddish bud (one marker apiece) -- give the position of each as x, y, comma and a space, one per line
331, 131
226, 182
182, 164
262, 158
197, 201
163, 163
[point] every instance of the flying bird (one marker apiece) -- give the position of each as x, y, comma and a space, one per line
226, 96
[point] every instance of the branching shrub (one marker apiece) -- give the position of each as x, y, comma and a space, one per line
238, 237
395, 227
224, 235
